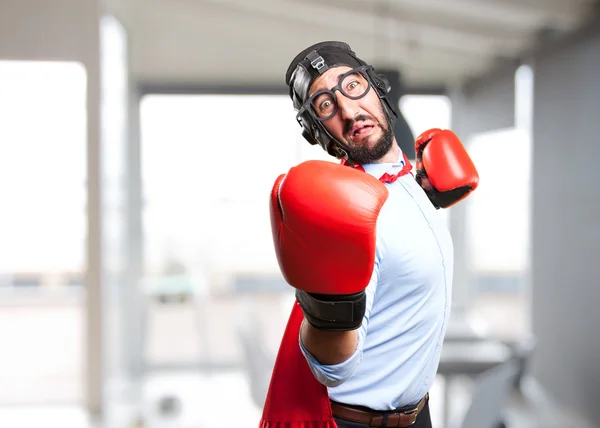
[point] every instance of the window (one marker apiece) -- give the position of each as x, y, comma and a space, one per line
208, 165
498, 220
210, 272
43, 227
423, 112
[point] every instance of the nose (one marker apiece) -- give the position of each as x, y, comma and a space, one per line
348, 108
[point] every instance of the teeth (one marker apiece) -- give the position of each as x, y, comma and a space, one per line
355, 133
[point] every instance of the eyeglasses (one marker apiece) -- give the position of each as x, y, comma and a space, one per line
322, 105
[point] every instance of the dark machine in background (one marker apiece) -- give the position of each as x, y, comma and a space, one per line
402, 131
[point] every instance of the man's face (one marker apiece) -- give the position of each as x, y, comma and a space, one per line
361, 124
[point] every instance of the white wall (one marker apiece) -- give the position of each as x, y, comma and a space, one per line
566, 224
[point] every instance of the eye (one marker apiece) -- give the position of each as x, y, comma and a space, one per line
325, 105
352, 85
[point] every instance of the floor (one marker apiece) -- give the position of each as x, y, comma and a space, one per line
41, 364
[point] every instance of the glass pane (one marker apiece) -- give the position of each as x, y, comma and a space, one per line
42, 189
498, 231
423, 112
216, 302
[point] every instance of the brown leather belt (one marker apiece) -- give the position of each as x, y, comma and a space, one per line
399, 418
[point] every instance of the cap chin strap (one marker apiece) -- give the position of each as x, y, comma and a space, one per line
341, 153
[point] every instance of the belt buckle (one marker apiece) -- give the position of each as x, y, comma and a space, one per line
416, 408
396, 418
411, 411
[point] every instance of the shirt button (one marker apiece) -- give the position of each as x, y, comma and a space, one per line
426, 381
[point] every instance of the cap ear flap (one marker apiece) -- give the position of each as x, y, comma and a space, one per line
308, 137
385, 84
307, 133
316, 134
381, 83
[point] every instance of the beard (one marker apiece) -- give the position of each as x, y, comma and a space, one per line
363, 154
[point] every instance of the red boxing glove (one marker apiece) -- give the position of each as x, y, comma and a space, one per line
323, 220
444, 169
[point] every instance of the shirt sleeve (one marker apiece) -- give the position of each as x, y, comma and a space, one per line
336, 374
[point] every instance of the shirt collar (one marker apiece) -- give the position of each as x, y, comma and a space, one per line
378, 169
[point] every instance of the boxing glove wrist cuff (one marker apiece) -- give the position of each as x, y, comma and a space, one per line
448, 198
442, 199
333, 312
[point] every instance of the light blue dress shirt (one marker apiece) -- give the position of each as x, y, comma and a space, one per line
408, 304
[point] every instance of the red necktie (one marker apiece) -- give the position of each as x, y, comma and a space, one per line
388, 178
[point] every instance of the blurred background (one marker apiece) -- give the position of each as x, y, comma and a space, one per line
139, 141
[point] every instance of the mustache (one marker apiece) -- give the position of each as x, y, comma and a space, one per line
348, 124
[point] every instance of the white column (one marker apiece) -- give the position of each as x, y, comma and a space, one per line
457, 219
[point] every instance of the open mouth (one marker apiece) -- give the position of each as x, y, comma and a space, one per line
360, 131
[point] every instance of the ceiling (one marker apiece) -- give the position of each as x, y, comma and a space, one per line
207, 43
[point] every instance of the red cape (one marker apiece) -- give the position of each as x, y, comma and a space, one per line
295, 398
